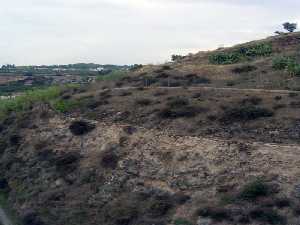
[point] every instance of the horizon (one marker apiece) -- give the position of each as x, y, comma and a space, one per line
125, 32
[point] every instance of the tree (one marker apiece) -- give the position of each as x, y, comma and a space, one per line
176, 57
291, 27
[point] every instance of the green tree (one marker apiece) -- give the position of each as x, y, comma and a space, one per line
291, 27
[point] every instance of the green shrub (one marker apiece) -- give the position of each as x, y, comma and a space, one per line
280, 63
64, 106
223, 58
287, 63
253, 190
23, 102
243, 53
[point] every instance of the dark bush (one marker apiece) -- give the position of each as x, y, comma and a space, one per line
295, 104
215, 213
159, 207
244, 69
67, 160
282, 202
31, 218
254, 100
109, 160
3, 184
185, 111
181, 198
267, 215
121, 212
143, 102
15, 139
253, 190
166, 67
178, 102
245, 113
230, 83
81, 127
125, 93
293, 94
160, 93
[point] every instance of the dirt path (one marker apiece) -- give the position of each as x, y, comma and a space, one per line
4, 220
215, 88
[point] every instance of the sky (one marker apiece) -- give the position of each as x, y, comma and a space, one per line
37, 32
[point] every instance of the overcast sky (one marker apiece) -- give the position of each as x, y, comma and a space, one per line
131, 31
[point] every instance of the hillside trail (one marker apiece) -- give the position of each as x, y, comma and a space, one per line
216, 89
4, 219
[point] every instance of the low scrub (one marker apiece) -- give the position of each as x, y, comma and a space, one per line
143, 102
287, 63
81, 127
184, 111
244, 69
254, 190
267, 215
216, 213
245, 113
243, 53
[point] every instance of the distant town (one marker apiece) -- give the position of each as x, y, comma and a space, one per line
14, 79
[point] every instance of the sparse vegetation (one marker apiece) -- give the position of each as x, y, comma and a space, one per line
243, 53
113, 76
287, 63
245, 113
244, 69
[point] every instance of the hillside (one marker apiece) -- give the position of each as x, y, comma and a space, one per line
213, 138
